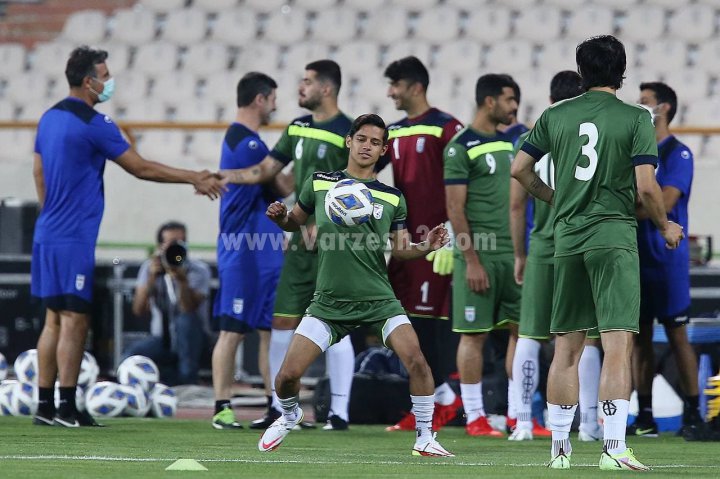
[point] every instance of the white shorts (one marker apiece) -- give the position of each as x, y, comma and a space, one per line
320, 333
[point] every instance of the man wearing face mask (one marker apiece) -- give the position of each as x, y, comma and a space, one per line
72, 144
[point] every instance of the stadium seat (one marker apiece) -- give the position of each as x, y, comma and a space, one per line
460, 57
33, 111
130, 86
694, 142
415, 5
334, 26
165, 146
557, 55
185, 27
316, 5
630, 91
300, 54
538, 23
386, 25
643, 23
86, 27
174, 88
665, 55
488, 25
18, 145
156, 57
206, 58
133, 27
265, 6
590, 21
358, 58
235, 27
143, 110
215, 5
705, 112
289, 110
509, 56
364, 5
467, 5
50, 58
689, 84
437, 25
162, 5
571, 5
118, 56
401, 49
534, 87
220, 88
708, 57
372, 88
693, 23
622, 4
12, 58
7, 113
195, 111
19, 86
441, 90
663, 3
463, 107
205, 147
286, 28
258, 56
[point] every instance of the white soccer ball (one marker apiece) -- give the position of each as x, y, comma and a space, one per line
138, 371
164, 401
79, 397
138, 401
89, 370
26, 366
3, 367
24, 399
105, 399
349, 203
6, 394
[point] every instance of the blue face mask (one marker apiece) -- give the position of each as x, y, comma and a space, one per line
108, 90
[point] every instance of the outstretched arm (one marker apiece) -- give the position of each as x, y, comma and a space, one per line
292, 221
523, 170
260, 173
404, 249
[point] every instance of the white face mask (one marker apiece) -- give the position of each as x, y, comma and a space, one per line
108, 90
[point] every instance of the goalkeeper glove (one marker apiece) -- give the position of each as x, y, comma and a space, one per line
442, 259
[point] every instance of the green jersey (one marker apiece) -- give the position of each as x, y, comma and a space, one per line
483, 164
351, 263
596, 140
542, 244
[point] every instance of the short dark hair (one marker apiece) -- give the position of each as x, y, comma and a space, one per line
410, 69
565, 84
663, 94
253, 84
515, 86
601, 62
492, 85
82, 63
327, 70
368, 119
169, 226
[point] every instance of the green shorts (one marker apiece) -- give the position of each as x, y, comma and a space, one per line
499, 305
537, 298
345, 316
297, 283
599, 288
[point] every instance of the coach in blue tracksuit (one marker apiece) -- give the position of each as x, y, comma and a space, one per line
73, 141
664, 273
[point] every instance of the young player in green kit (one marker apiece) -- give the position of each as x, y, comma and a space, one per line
352, 284
604, 152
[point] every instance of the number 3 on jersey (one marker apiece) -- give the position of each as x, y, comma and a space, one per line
585, 173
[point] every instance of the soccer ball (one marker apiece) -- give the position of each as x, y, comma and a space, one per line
79, 397
89, 370
164, 401
23, 401
3, 367
6, 393
349, 203
105, 399
138, 401
26, 366
138, 371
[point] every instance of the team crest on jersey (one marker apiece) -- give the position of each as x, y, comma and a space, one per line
107, 119
238, 305
253, 144
79, 282
469, 314
322, 149
685, 154
377, 211
451, 151
420, 144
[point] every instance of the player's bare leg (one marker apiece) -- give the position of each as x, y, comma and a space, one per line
223, 372
47, 368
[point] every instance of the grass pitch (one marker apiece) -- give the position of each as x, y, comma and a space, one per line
132, 447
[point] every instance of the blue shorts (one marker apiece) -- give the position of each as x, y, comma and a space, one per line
62, 276
245, 299
668, 301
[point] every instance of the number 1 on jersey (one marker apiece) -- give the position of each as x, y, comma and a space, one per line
585, 173
424, 291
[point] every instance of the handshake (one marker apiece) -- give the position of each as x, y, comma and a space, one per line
210, 184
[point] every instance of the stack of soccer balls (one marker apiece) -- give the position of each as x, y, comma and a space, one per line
138, 393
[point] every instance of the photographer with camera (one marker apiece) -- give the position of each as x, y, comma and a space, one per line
172, 289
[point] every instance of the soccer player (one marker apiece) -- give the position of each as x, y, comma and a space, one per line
352, 284
477, 191
602, 148
249, 248
535, 273
665, 274
314, 142
72, 143
415, 147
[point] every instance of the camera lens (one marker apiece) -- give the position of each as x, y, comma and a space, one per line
175, 254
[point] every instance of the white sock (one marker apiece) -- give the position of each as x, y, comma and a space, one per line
560, 419
526, 374
512, 400
444, 395
472, 401
423, 408
340, 365
279, 344
589, 372
290, 408
615, 412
